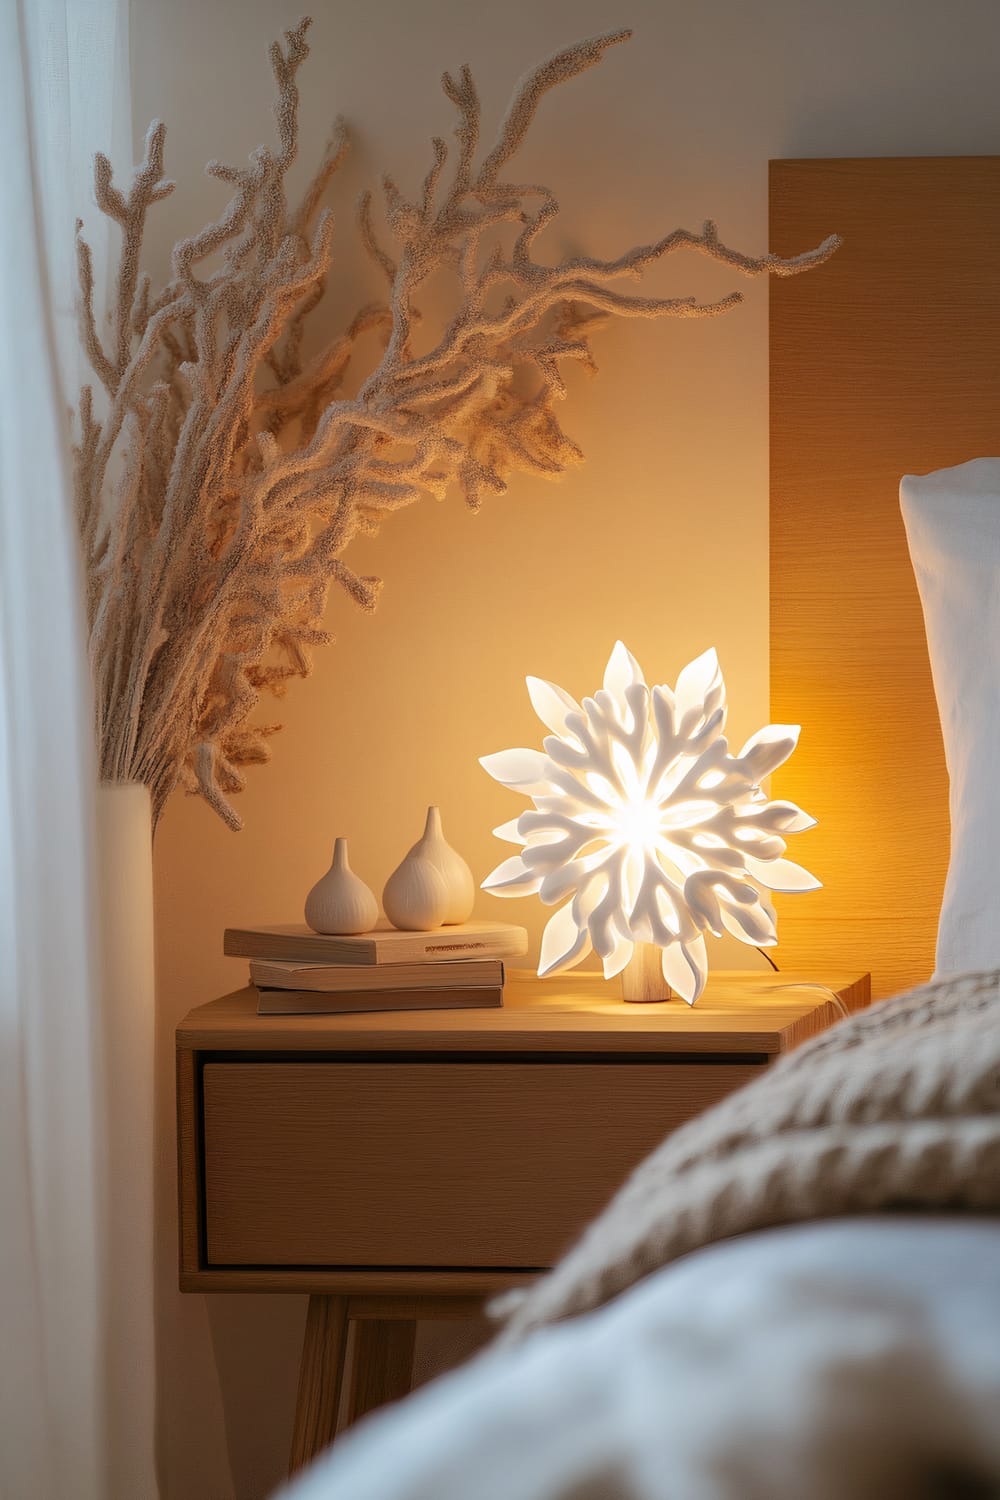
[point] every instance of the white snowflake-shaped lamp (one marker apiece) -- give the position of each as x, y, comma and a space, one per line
651, 828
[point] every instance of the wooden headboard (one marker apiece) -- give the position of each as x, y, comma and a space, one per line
885, 361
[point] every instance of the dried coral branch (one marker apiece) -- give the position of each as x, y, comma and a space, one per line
244, 472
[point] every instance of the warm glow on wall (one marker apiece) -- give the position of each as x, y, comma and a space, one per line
646, 822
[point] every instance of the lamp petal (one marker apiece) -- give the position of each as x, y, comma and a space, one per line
696, 682
751, 924
512, 878
768, 749
563, 880
509, 833
784, 817
685, 968
563, 942
622, 670
552, 704
524, 770
702, 900
618, 958
781, 875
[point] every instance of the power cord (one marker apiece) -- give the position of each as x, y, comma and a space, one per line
823, 989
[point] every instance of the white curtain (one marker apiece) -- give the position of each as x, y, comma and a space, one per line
63, 93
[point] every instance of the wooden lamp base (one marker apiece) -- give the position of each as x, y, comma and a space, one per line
642, 976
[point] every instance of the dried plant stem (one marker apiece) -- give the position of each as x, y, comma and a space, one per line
245, 471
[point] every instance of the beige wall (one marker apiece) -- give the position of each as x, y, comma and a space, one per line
660, 538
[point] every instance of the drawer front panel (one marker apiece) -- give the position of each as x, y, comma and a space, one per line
428, 1164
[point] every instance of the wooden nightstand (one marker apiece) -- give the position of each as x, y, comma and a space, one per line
405, 1165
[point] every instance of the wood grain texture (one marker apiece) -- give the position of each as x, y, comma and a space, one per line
335, 979
321, 1375
642, 980
326, 1154
429, 1164
576, 1012
324, 1003
414, 1308
740, 1014
436, 1285
883, 362
382, 1369
383, 945
189, 1163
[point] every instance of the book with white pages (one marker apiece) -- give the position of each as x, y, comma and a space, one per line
382, 945
345, 978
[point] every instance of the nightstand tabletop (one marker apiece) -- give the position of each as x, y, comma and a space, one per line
739, 1012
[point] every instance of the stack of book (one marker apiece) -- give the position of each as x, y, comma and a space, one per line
300, 972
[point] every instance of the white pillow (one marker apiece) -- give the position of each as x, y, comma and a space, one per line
952, 520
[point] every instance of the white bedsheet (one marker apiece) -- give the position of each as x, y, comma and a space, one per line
851, 1360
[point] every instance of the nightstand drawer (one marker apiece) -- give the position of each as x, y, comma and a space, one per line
490, 1164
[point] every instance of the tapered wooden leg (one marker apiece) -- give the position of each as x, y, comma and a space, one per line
321, 1376
383, 1364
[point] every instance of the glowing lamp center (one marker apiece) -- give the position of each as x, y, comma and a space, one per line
638, 823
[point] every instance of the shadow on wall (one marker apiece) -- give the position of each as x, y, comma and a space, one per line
256, 1343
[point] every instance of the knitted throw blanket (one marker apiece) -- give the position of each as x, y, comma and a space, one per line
897, 1107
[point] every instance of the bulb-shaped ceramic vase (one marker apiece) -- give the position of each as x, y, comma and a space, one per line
341, 902
433, 887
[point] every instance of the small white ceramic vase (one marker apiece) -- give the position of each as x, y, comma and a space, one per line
341, 902
433, 887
